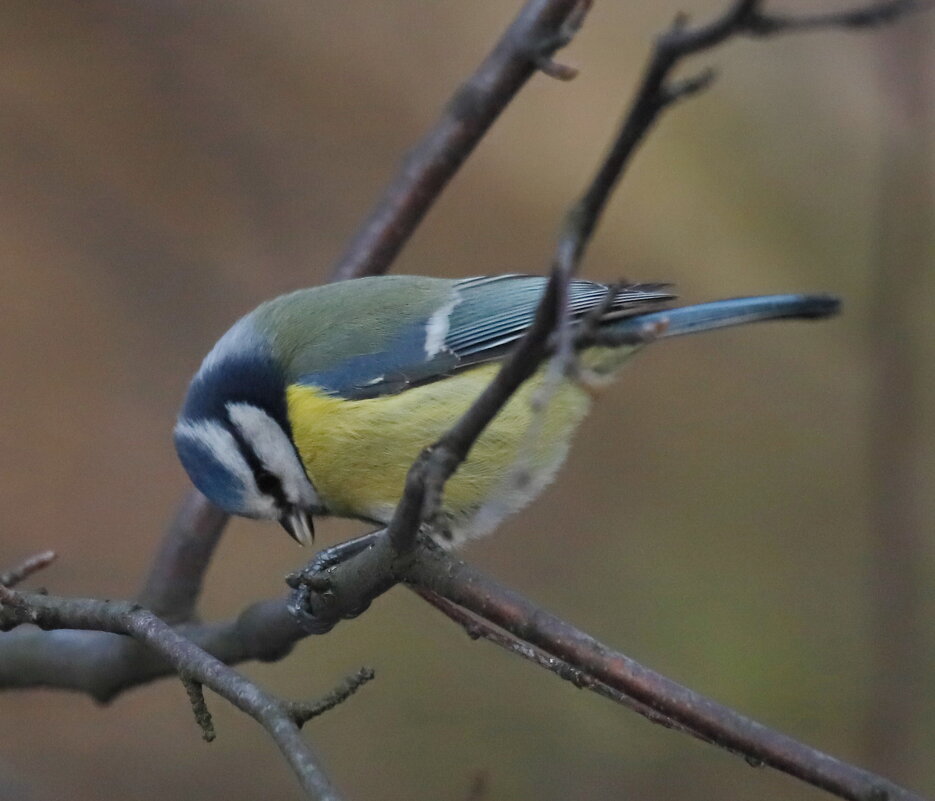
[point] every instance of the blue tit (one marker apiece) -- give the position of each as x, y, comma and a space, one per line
318, 402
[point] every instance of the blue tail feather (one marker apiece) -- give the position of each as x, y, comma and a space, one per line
735, 311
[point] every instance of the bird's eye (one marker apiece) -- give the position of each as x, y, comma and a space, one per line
267, 483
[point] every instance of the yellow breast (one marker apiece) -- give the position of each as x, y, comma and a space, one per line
357, 452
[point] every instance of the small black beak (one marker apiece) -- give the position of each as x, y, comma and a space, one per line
298, 523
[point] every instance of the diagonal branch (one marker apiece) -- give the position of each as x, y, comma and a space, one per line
540, 28
459, 583
869, 16
304, 711
657, 90
478, 628
26, 568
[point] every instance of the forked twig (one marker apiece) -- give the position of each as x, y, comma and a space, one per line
186, 659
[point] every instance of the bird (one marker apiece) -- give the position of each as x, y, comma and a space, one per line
317, 402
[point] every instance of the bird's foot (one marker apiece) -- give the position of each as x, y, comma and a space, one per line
316, 602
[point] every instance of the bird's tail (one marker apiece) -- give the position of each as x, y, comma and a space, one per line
725, 313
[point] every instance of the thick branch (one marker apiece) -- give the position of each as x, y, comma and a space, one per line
104, 665
175, 577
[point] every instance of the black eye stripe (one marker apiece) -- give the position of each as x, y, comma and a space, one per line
266, 482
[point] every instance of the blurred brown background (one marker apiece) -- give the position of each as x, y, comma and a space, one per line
164, 166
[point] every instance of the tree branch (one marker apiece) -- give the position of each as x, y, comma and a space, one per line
541, 27
184, 657
478, 628
176, 575
104, 665
304, 711
582, 659
869, 16
196, 697
439, 573
26, 568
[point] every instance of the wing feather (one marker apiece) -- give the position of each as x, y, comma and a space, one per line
491, 314
487, 315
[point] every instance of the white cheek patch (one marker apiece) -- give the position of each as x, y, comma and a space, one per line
436, 328
274, 450
221, 446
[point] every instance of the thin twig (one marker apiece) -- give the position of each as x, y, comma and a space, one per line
303, 711
26, 568
437, 463
461, 584
479, 628
196, 697
870, 16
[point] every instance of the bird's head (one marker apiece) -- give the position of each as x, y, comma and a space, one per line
234, 439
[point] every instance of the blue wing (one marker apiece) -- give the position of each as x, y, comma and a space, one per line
497, 311
478, 322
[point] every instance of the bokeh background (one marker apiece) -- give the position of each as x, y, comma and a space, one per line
749, 512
